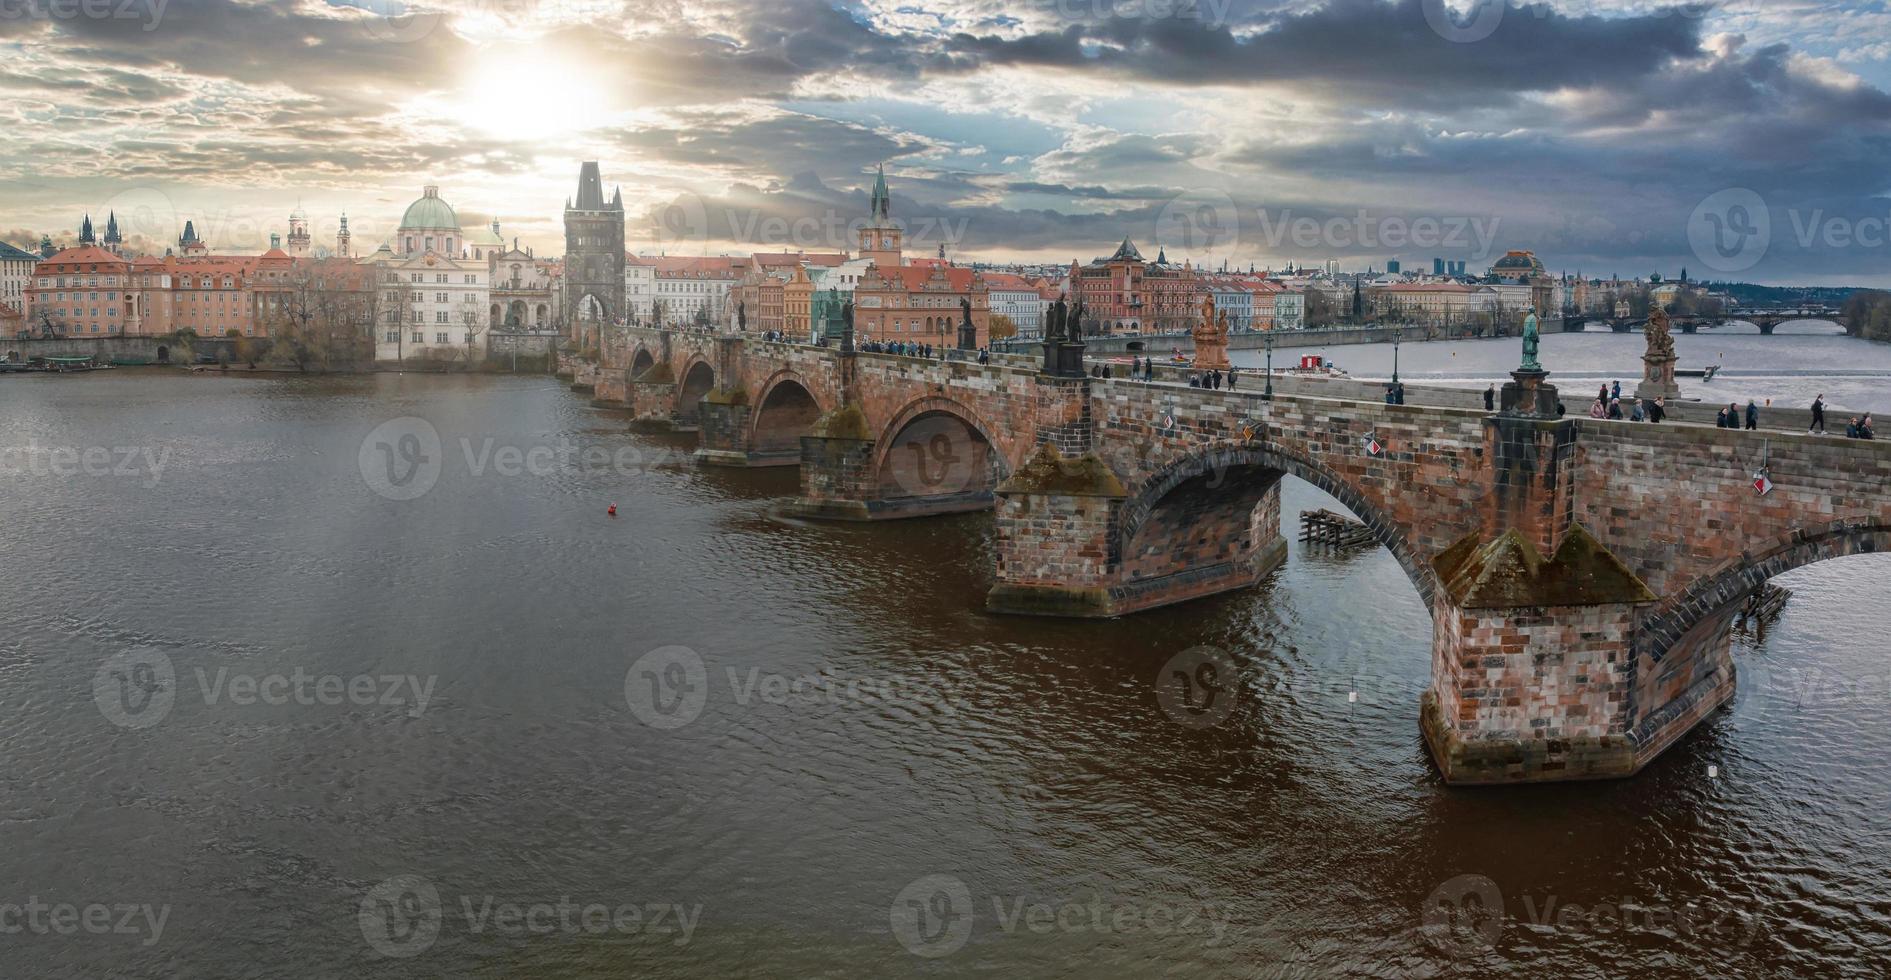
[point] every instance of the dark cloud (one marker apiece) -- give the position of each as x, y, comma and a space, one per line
1384, 51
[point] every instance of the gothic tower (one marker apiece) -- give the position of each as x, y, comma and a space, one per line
114, 241
594, 251
881, 239
86, 237
344, 245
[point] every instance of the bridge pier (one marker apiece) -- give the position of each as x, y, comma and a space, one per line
1766, 326
1062, 547
652, 397
723, 427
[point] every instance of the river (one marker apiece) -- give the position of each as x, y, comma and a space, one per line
1787, 370
277, 721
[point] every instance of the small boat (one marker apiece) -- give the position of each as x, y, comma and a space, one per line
1705, 374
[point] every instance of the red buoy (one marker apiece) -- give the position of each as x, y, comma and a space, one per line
612, 511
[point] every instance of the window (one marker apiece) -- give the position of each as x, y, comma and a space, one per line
419, 318
440, 317
440, 277
419, 338
393, 336
440, 297
440, 338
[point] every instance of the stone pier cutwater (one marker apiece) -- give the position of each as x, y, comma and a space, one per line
1582, 576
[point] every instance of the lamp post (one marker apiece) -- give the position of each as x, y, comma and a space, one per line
1398, 333
1268, 342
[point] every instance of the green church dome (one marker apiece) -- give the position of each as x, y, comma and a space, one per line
430, 213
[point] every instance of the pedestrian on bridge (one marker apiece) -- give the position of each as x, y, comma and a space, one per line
1753, 415
1658, 410
1818, 415
1615, 391
1490, 399
1597, 410
1615, 409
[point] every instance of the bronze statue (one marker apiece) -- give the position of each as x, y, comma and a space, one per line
742, 316
965, 310
1054, 320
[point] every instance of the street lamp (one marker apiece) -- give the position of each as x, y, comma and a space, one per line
1398, 333
1268, 342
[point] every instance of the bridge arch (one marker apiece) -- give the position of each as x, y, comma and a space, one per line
1220, 486
641, 361
1715, 594
785, 410
696, 382
937, 456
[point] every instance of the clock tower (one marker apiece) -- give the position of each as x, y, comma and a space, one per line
881, 239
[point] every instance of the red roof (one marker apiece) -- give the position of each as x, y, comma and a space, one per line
915, 277
1009, 282
86, 255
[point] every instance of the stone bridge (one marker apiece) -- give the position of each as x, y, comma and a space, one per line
1768, 320
1582, 576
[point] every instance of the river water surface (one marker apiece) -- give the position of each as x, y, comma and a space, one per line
853, 771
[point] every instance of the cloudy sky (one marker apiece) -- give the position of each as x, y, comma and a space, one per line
1746, 139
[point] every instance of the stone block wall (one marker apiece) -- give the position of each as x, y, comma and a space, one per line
1053, 555
1531, 694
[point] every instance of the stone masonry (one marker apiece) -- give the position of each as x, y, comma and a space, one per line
1581, 574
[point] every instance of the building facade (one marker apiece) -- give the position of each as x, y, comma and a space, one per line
1125, 294
16, 274
921, 304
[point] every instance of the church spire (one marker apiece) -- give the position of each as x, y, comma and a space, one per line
882, 198
85, 232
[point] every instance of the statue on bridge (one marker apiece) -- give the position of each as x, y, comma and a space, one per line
742, 317
1054, 320
1658, 363
1532, 341
1211, 339
968, 331
1660, 335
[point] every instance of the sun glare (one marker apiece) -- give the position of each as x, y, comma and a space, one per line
532, 98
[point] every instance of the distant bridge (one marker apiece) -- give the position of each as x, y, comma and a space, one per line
1583, 576
1767, 319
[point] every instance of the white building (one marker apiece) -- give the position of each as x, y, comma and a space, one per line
16, 271
435, 296
1290, 310
689, 288
1233, 298
640, 285
1013, 296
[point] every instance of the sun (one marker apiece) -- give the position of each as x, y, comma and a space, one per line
526, 95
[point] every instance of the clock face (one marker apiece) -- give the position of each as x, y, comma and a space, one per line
886, 241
